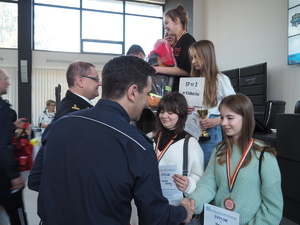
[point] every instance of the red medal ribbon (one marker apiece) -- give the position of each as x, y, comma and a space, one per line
231, 180
160, 155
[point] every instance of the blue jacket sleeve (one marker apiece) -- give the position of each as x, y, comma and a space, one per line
153, 207
35, 174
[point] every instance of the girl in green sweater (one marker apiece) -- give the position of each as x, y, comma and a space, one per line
232, 178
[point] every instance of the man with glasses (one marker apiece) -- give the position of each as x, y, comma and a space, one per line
83, 82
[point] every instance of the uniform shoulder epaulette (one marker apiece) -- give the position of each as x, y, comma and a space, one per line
75, 107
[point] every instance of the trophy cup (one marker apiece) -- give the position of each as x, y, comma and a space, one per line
204, 135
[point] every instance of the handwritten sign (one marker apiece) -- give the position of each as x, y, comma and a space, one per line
214, 215
192, 88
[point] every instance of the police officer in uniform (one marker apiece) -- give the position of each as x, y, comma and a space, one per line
83, 82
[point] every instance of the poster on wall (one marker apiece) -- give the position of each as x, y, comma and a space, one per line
294, 32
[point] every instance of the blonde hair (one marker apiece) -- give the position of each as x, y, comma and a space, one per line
206, 58
48, 102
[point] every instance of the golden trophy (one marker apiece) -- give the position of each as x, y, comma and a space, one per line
204, 135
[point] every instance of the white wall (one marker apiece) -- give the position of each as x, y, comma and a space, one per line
59, 60
251, 32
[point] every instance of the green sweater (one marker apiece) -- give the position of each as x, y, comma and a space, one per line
257, 203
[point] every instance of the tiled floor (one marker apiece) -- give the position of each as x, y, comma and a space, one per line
30, 199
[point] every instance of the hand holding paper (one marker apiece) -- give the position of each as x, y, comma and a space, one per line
191, 109
181, 182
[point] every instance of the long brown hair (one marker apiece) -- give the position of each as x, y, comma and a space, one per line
181, 13
206, 58
240, 104
176, 103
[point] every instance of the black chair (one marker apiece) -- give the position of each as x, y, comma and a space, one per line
272, 108
297, 107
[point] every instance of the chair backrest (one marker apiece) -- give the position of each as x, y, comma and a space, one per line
297, 107
272, 108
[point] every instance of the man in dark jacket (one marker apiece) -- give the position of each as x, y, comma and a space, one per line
11, 183
96, 162
83, 82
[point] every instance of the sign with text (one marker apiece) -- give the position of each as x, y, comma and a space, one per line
214, 215
192, 88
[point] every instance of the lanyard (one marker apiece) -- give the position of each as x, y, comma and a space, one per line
232, 179
163, 151
180, 35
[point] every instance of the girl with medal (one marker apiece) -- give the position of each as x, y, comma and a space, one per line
176, 23
232, 178
169, 136
47, 115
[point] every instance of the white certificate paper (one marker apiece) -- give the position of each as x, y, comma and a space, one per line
215, 215
168, 186
192, 124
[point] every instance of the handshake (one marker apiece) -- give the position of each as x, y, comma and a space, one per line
189, 205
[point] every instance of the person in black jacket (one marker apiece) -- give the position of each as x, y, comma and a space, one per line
96, 162
83, 82
11, 183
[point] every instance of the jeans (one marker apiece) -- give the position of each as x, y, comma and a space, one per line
216, 137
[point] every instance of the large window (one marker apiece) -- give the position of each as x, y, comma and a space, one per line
9, 25
96, 26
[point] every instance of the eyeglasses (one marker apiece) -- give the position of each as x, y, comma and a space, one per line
93, 78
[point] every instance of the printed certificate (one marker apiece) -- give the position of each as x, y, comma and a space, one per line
215, 215
168, 186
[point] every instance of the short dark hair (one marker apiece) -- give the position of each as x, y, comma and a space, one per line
120, 73
78, 68
176, 103
134, 50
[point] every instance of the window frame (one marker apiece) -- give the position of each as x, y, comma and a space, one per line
87, 40
12, 2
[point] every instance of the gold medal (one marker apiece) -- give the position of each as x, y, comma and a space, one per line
229, 204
